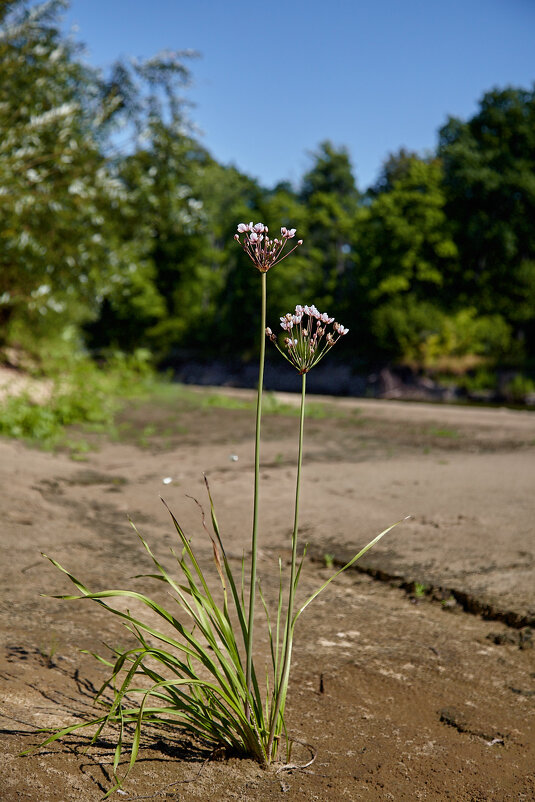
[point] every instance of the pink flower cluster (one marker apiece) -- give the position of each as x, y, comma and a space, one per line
289, 320
306, 344
263, 251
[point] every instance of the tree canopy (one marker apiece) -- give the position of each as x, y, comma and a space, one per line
116, 223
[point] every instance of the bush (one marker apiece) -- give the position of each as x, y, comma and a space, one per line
85, 393
420, 333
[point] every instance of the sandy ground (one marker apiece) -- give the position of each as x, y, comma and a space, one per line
16, 382
406, 691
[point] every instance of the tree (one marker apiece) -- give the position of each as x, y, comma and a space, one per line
407, 251
407, 231
489, 164
56, 188
231, 283
163, 175
395, 168
330, 195
73, 245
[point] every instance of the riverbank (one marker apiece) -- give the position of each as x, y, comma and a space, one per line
404, 689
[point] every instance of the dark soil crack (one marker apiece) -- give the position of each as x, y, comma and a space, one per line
457, 719
449, 597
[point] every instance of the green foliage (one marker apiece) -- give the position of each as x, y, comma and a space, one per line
271, 405
58, 205
449, 434
405, 236
330, 196
403, 325
193, 673
89, 395
328, 559
419, 333
331, 174
231, 287
519, 387
132, 247
479, 380
489, 166
420, 590
72, 233
467, 333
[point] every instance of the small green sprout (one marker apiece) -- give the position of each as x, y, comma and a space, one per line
328, 559
48, 650
419, 590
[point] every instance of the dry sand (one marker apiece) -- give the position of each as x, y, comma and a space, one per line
404, 696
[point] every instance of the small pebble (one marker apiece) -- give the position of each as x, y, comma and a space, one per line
167, 480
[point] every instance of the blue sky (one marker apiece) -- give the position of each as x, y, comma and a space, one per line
275, 79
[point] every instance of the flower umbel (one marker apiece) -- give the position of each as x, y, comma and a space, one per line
263, 251
308, 340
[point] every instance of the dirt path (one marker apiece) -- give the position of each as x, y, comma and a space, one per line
405, 696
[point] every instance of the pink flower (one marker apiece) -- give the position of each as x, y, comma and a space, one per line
312, 311
263, 251
286, 322
306, 344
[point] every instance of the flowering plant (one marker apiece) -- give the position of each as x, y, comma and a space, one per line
202, 676
263, 251
305, 346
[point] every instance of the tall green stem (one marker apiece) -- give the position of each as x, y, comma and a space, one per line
254, 539
288, 633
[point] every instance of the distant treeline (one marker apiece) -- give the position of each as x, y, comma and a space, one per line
116, 224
